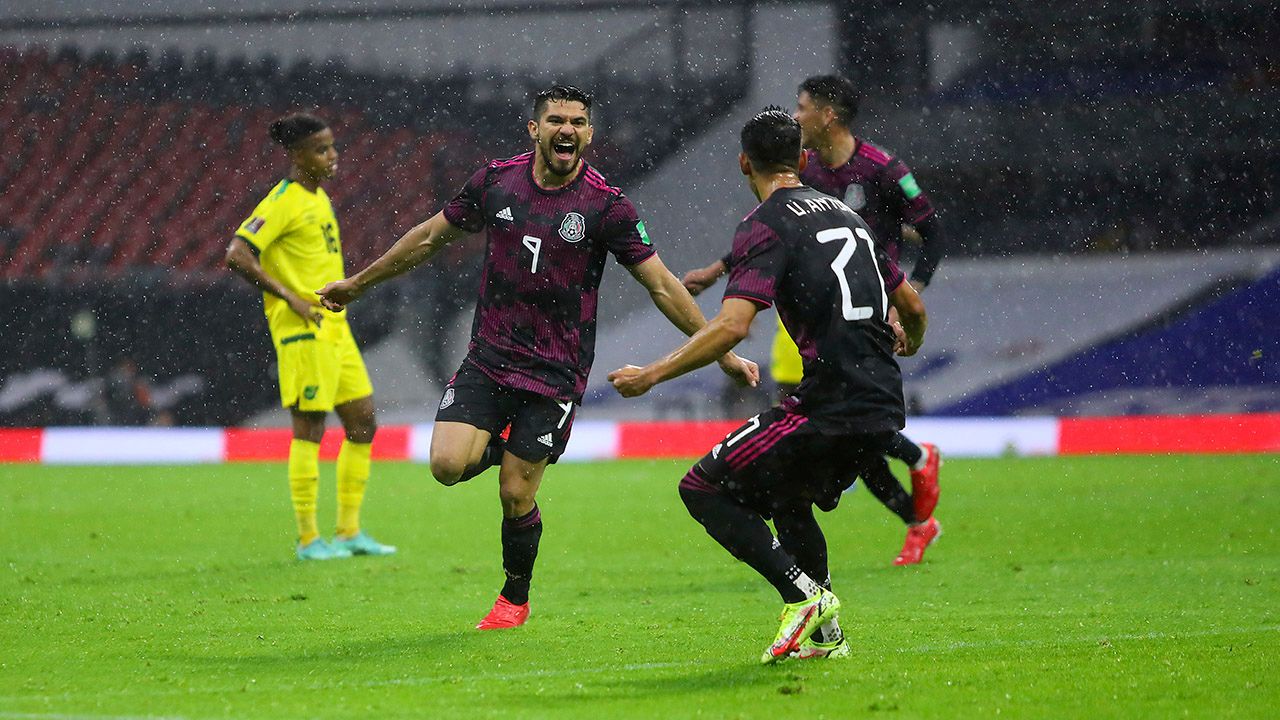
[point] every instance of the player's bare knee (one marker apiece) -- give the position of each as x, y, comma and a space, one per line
307, 425
447, 471
362, 431
514, 503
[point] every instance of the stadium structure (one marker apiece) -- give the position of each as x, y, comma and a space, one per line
1100, 369
1109, 196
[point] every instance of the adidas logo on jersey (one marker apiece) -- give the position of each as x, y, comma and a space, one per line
505, 214
545, 439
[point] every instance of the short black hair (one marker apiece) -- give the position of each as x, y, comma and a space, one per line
289, 129
771, 140
561, 93
836, 91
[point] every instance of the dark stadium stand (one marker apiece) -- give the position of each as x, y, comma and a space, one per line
1125, 153
125, 176
108, 180
126, 164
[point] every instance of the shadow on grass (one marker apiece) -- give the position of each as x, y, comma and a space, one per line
642, 683
442, 654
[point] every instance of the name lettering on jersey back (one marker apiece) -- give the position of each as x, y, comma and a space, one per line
806, 206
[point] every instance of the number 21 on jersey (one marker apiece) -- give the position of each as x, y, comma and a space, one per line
848, 310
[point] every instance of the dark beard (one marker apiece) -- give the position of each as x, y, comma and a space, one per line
549, 159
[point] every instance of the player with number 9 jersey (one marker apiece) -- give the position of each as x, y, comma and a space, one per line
552, 223
535, 319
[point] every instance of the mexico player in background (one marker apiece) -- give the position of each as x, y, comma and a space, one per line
814, 258
883, 191
289, 246
552, 222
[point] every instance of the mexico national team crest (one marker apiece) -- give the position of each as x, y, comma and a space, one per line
574, 227
447, 400
855, 197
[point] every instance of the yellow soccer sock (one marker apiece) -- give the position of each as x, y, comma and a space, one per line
304, 479
353, 475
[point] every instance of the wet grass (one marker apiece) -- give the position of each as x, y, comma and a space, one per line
1087, 587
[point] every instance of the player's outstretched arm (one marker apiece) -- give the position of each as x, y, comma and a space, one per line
242, 259
671, 297
912, 315
713, 341
695, 281
413, 248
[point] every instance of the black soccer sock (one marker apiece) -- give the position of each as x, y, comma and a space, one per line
746, 536
520, 538
800, 535
881, 482
802, 538
901, 447
491, 456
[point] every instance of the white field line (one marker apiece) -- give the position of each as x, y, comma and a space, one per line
562, 672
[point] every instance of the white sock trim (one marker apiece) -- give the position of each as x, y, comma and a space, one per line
924, 458
807, 586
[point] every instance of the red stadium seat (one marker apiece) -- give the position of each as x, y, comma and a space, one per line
110, 172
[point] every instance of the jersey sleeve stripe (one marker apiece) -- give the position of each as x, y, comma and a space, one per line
599, 183
919, 218
757, 300
873, 153
511, 161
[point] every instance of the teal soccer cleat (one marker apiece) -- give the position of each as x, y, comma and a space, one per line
362, 544
318, 549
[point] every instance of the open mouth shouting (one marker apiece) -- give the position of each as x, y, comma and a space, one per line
564, 149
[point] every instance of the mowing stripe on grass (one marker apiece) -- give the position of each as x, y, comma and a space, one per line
632, 667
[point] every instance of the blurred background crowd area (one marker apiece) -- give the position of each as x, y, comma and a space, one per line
137, 142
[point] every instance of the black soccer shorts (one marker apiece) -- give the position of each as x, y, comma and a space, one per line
778, 460
540, 426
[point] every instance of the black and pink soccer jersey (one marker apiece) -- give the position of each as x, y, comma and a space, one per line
813, 257
877, 186
535, 322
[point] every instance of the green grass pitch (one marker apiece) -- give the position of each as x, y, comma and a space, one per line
1102, 587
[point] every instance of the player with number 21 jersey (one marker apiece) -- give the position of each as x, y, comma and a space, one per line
800, 248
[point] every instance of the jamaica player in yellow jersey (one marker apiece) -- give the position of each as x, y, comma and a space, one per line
289, 246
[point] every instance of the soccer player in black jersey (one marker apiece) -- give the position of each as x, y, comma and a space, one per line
813, 258
552, 221
883, 191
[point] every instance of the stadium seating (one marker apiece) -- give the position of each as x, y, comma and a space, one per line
1125, 151
125, 176
129, 164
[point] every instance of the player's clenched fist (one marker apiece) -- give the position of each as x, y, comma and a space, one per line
741, 370
630, 381
338, 294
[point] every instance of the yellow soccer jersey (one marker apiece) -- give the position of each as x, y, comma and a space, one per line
295, 235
